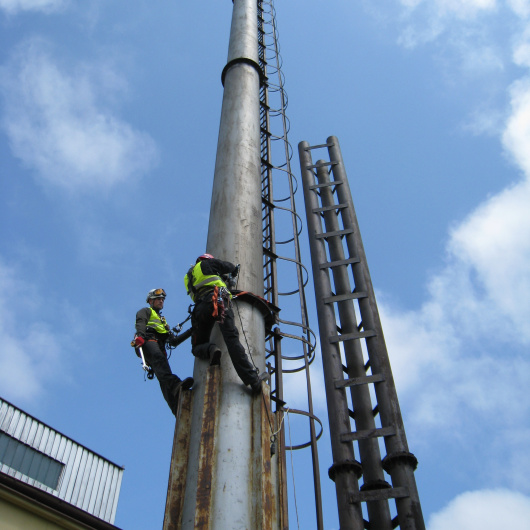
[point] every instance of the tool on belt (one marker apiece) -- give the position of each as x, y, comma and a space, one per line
221, 301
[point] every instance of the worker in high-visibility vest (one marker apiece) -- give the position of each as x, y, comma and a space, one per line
152, 335
206, 287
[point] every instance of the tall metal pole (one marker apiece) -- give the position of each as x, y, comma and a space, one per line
235, 234
229, 483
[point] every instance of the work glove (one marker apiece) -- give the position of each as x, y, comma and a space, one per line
138, 342
172, 339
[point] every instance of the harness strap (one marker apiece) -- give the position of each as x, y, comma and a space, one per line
215, 300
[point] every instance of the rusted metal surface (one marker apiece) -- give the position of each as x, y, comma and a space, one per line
282, 475
179, 464
283, 511
228, 482
268, 504
205, 482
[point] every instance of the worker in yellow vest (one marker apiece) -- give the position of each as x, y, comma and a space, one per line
206, 287
152, 335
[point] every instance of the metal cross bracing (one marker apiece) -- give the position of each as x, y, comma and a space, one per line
291, 344
355, 358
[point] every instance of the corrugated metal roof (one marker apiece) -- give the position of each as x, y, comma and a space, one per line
87, 480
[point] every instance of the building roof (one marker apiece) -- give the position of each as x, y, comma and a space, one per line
34, 453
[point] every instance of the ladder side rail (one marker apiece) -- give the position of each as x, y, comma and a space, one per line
347, 469
370, 455
399, 462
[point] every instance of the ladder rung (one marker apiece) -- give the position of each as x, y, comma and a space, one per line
338, 263
379, 495
351, 336
335, 233
325, 184
343, 297
328, 208
354, 381
365, 435
319, 164
317, 146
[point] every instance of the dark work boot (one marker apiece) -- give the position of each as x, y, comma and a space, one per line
215, 355
181, 385
256, 385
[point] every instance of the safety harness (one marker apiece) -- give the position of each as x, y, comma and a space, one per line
157, 322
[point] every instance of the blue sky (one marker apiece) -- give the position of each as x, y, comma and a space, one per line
108, 129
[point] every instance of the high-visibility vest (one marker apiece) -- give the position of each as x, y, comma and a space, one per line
201, 281
156, 323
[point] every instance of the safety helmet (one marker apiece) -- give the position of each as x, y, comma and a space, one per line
204, 256
155, 293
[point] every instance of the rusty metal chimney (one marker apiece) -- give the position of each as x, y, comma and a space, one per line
221, 474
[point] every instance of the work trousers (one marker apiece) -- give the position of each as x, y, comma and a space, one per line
202, 322
156, 358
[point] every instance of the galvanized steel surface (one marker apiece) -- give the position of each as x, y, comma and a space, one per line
224, 486
88, 481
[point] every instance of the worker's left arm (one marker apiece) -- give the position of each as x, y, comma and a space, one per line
175, 340
218, 266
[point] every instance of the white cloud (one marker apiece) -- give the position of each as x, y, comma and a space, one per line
520, 7
461, 358
456, 8
462, 350
483, 510
57, 123
12, 7
494, 245
465, 8
516, 137
472, 38
30, 353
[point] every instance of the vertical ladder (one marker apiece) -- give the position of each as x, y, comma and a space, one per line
355, 357
290, 346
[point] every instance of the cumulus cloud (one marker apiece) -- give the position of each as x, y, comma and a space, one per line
461, 358
463, 9
516, 137
58, 125
30, 352
520, 7
463, 349
13, 7
426, 21
483, 510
